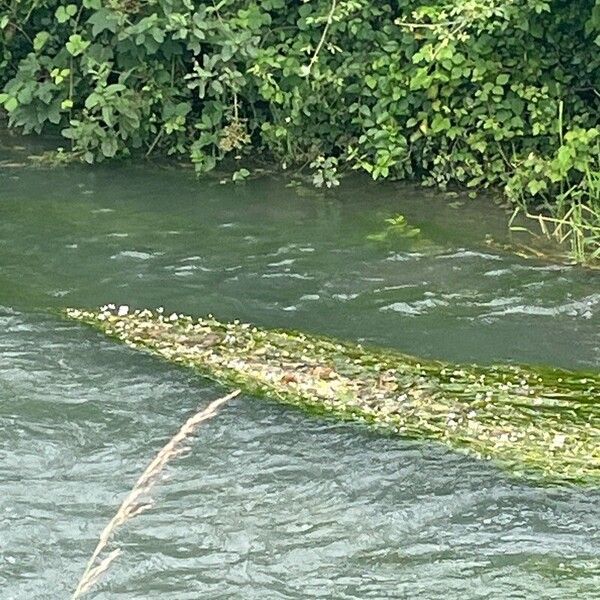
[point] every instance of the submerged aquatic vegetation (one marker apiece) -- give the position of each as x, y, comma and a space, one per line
396, 227
538, 422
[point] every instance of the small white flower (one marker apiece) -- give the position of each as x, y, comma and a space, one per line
559, 440
123, 310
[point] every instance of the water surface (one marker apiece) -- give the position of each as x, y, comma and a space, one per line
270, 502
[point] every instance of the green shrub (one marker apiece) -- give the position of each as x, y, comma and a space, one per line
475, 92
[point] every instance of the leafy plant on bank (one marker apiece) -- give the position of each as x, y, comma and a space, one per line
474, 92
567, 188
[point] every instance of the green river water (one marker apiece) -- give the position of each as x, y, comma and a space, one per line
269, 502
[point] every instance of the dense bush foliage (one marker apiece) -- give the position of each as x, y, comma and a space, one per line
475, 92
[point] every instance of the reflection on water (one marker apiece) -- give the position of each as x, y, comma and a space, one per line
270, 502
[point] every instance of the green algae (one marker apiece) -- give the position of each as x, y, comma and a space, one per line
537, 422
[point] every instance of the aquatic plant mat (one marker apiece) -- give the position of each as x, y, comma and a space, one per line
537, 422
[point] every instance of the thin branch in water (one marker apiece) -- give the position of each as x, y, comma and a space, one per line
134, 503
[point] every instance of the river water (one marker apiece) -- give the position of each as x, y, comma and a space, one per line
269, 502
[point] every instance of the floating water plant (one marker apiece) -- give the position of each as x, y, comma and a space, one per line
537, 422
396, 227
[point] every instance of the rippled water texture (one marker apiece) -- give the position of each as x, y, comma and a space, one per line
270, 503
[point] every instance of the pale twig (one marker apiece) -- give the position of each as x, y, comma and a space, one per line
154, 142
133, 504
94, 573
328, 23
409, 25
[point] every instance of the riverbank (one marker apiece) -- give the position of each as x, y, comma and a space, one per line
479, 94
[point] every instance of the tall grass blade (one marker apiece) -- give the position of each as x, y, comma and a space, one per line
134, 503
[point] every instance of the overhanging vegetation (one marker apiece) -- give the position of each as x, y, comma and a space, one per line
474, 92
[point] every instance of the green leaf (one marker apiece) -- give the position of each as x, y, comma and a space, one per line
11, 104
64, 13
240, 175
371, 81
103, 20
109, 147
92, 100
76, 45
536, 185
440, 123
39, 41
